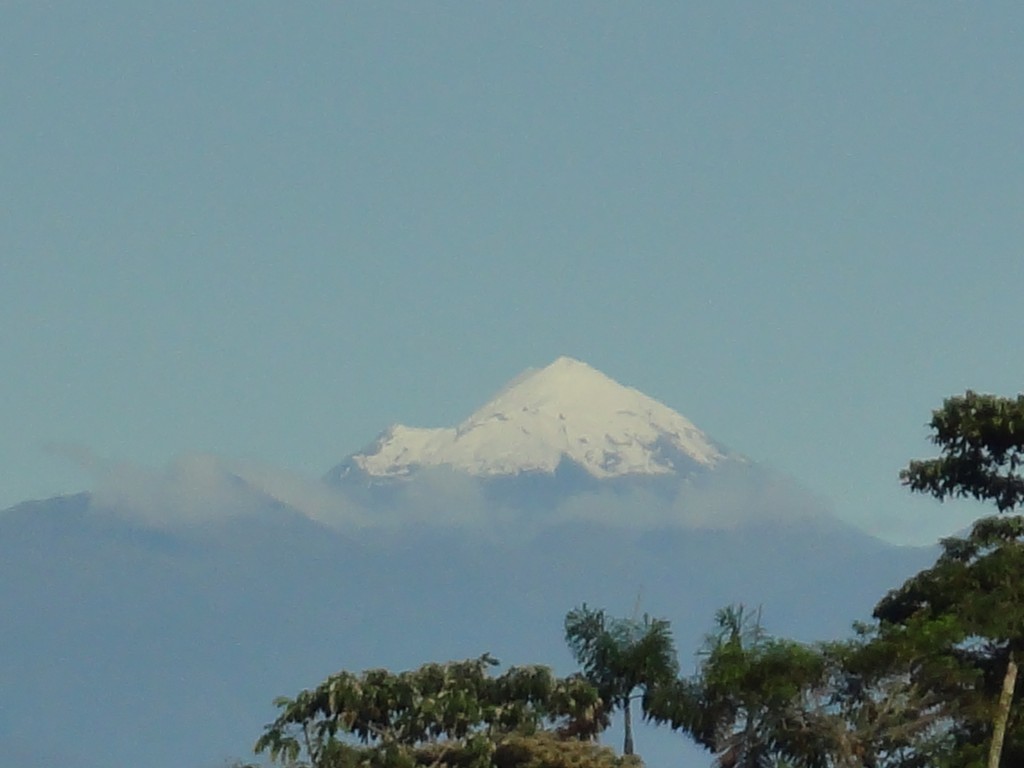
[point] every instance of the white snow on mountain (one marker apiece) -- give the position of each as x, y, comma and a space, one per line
567, 410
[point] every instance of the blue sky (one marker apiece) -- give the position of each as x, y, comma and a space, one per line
266, 232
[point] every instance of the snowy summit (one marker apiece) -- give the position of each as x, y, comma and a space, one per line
567, 411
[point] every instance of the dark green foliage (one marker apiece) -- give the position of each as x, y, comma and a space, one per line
963, 622
976, 582
546, 750
757, 701
746, 704
620, 656
974, 590
452, 714
872, 709
981, 438
542, 749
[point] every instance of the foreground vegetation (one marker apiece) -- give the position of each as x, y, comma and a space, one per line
930, 682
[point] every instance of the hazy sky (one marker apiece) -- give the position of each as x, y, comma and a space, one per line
266, 231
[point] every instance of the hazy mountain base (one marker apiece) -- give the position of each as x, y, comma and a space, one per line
736, 493
165, 646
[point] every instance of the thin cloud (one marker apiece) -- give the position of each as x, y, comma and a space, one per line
78, 455
201, 488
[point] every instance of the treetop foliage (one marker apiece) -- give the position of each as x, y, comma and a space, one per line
973, 597
408, 714
759, 701
620, 655
743, 704
982, 447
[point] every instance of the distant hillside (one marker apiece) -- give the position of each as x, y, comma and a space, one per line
154, 620
167, 646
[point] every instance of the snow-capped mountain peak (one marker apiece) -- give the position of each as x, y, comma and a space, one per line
567, 411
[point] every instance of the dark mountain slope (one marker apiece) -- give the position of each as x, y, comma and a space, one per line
164, 647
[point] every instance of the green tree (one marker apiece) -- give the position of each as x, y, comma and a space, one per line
871, 708
981, 442
454, 714
621, 657
747, 703
963, 621
758, 701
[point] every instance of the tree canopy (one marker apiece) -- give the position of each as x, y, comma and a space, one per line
621, 656
743, 703
981, 438
439, 714
963, 620
976, 585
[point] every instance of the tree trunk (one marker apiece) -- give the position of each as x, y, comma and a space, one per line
627, 720
995, 752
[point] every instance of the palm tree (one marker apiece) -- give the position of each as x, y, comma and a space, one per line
745, 703
621, 656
